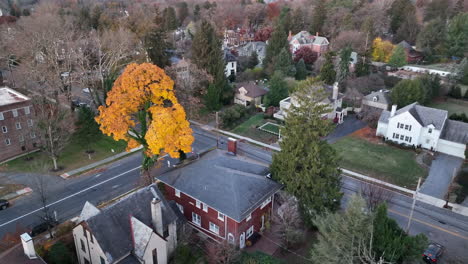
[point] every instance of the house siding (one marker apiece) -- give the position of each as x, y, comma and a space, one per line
226, 227
92, 252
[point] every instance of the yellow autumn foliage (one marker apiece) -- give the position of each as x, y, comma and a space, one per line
146, 88
381, 50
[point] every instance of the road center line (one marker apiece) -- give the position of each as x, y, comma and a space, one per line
70, 196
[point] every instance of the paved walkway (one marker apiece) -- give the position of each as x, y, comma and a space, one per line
349, 126
441, 175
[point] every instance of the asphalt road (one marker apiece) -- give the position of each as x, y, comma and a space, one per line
67, 198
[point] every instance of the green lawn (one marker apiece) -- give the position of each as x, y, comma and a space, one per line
452, 106
380, 161
249, 129
253, 121
273, 128
72, 157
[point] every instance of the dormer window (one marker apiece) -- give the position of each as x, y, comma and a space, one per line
430, 130
374, 99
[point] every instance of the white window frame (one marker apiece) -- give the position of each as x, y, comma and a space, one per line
7, 142
30, 122
181, 208
1, 116
198, 204
196, 219
4, 129
231, 238
177, 193
205, 207
249, 217
27, 110
220, 216
266, 202
21, 138
18, 125
33, 134
249, 232
214, 228
15, 112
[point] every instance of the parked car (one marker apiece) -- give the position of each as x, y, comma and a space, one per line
42, 227
433, 253
4, 204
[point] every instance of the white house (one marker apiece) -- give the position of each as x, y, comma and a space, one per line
334, 101
249, 93
425, 127
231, 63
442, 72
140, 228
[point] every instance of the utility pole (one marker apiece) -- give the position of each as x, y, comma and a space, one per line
217, 127
412, 206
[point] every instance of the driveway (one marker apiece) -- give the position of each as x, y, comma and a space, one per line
349, 126
441, 175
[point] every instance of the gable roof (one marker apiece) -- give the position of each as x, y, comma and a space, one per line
141, 236
455, 131
424, 115
111, 226
252, 89
232, 185
304, 37
382, 97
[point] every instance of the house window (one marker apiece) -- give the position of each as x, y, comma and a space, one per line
198, 204
406, 127
91, 237
401, 137
21, 138
221, 216
266, 202
83, 245
232, 64
397, 136
205, 207
410, 128
196, 219
250, 231
33, 135
231, 238
430, 130
155, 256
410, 140
248, 217
398, 125
26, 110
15, 112
181, 208
4, 129
7, 142
214, 228
177, 193
104, 262
18, 125
406, 139
1, 116
30, 122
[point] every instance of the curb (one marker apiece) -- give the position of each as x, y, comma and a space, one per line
17, 194
68, 174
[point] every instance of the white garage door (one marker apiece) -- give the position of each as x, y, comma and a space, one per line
451, 148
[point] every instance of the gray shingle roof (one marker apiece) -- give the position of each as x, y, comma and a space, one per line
111, 226
455, 131
424, 115
382, 97
253, 90
229, 184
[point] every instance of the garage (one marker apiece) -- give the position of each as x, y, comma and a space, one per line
451, 148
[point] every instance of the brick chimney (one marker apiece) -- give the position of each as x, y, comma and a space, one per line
335, 91
28, 246
290, 35
156, 216
316, 34
232, 146
392, 113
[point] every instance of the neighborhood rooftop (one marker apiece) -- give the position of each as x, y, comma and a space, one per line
253, 90
424, 115
381, 97
455, 131
111, 225
230, 184
10, 96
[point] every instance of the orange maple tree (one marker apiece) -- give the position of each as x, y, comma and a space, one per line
142, 109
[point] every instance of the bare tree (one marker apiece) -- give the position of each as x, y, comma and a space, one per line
375, 195
289, 221
53, 125
221, 253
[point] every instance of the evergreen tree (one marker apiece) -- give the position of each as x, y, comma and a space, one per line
196, 12
362, 66
398, 57
327, 72
253, 60
301, 71
432, 39
285, 19
170, 19
436, 9
284, 63
277, 41
398, 13
409, 29
87, 128
457, 35
319, 16
307, 165
213, 97
156, 46
182, 12
455, 92
407, 92
278, 90
463, 71
345, 58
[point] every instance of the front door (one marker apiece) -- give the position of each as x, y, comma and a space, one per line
242, 240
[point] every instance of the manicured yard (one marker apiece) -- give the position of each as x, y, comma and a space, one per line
72, 157
452, 106
271, 127
250, 129
380, 161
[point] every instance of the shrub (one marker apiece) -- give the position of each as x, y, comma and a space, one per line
455, 92
59, 254
233, 114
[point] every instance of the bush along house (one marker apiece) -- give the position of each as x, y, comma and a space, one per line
226, 196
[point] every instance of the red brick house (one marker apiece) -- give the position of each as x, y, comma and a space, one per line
317, 44
17, 134
226, 196
412, 55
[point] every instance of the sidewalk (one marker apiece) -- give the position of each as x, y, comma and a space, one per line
98, 163
16, 194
